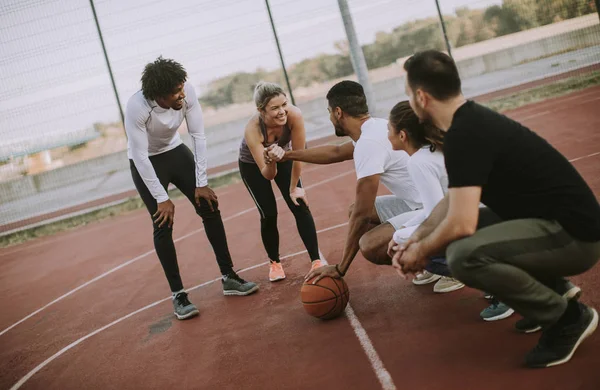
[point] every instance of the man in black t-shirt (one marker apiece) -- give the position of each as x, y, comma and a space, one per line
550, 224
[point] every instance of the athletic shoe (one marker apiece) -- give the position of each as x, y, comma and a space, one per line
496, 311
316, 264
234, 285
569, 291
425, 277
183, 307
447, 284
560, 340
488, 296
276, 272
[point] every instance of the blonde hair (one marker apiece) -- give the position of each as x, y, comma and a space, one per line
264, 92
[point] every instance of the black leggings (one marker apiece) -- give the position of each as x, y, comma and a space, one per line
261, 191
177, 166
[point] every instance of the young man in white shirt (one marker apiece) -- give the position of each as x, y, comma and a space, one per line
158, 157
375, 161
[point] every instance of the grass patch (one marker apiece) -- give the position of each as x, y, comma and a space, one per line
508, 102
131, 204
543, 92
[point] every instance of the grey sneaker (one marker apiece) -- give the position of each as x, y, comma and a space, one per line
568, 290
447, 284
183, 307
496, 311
234, 285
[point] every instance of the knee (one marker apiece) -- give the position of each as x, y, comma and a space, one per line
162, 232
350, 210
461, 258
370, 249
269, 220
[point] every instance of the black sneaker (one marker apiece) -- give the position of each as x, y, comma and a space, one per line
559, 341
183, 307
234, 285
567, 289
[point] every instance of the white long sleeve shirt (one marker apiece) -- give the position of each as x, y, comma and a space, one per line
428, 172
152, 130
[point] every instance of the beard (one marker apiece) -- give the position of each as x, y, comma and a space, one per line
339, 131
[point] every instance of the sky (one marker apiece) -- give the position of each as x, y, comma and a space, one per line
54, 76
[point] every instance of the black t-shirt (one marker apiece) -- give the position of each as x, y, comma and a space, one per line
521, 174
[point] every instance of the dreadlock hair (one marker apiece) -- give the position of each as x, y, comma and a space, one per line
161, 77
403, 118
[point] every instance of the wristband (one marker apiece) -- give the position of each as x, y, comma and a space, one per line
338, 271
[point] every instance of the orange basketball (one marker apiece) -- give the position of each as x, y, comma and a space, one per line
326, 299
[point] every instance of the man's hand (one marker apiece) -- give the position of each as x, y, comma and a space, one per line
298, 193
321, 272
207, 194
393, 247
165, 214
409, 259
275, 152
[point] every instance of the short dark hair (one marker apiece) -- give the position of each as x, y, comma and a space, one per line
350, 97
161, 77
435, 73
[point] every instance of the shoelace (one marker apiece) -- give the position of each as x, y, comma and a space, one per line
236, 277
182, 299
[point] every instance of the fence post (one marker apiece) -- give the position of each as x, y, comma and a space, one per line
443, 24
287, 80
112, 78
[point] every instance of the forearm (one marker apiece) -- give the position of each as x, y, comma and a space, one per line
269, 171
442, 236
326, 154
435, 218
358, 226
296, 172
199, 143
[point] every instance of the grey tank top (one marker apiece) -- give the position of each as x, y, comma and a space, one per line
284, 142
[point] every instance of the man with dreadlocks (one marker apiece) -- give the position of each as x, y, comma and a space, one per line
158, 157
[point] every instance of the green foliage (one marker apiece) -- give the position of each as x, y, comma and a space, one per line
466, 27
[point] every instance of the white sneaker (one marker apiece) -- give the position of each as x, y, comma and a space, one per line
425, 277
446, 284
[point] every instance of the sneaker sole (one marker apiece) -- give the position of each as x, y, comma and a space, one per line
449, 289
587, 333
502, 316
276, 279
431, 279
240, 293
186, 316
572, 294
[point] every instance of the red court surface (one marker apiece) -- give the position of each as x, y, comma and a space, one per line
106, 318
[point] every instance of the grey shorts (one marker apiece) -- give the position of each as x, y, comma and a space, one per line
393, 210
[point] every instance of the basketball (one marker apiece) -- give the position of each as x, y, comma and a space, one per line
326, 299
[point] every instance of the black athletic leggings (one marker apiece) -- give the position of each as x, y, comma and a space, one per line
261, 191
177, 166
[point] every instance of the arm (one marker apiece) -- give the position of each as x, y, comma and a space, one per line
366, 191
195, 125
427, 181
298, 143
435, 218
460, 221
326, 154
136, 116
254, 141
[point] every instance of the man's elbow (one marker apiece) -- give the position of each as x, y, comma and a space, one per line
464, 228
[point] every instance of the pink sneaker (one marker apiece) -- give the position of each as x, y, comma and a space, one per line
276, 272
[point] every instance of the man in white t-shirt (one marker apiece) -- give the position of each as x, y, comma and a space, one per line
158, 157
375, 161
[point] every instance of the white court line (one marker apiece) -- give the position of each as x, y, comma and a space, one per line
129, 262
384, 377
588, 156
534, 116
31, 373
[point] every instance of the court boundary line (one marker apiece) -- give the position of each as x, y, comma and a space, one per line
137, 258
70, 346
382, 374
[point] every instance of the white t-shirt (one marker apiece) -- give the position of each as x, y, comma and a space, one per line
428, 172
373, 154
152, 130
